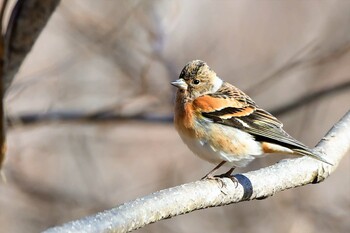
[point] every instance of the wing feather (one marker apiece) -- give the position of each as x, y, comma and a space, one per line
236, 109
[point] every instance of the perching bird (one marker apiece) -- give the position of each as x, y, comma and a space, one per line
221, 124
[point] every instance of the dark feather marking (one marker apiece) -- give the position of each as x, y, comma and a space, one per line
262, 125
229, 110
262, 130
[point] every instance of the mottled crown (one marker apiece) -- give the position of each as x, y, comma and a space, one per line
193, 69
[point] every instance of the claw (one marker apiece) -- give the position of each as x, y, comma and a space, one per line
227, 174
218, 179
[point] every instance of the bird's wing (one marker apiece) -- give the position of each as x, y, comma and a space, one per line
231, 107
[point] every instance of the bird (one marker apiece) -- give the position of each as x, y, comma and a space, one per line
223, 125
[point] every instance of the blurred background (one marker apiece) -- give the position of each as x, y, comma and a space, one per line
99, 74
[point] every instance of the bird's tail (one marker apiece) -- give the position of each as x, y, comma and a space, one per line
311, 154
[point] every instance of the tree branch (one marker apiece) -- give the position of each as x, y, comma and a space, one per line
27, 20
309, 98
189, 197
2, 117
109, 113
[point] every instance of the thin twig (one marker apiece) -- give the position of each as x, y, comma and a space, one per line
309, 98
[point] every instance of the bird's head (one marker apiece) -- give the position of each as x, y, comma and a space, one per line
197, 79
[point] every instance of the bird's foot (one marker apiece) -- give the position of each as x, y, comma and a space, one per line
231, 177
221, 183
218, 179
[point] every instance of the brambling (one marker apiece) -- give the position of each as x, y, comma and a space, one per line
221, 124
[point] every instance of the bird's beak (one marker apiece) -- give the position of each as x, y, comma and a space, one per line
180, 83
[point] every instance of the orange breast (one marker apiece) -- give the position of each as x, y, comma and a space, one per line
185, 118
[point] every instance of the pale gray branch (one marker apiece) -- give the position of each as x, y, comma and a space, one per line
186, 198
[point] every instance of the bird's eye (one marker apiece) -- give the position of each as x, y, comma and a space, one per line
196, 81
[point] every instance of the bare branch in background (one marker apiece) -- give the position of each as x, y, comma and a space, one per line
2, 73
27, 20
189, 197
309, 98
303, 57
111, 114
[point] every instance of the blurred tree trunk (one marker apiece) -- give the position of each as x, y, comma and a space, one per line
28, 18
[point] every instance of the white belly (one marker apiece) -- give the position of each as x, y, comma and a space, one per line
204, 148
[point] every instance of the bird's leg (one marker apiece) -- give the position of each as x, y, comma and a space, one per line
228, 175
210, 174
